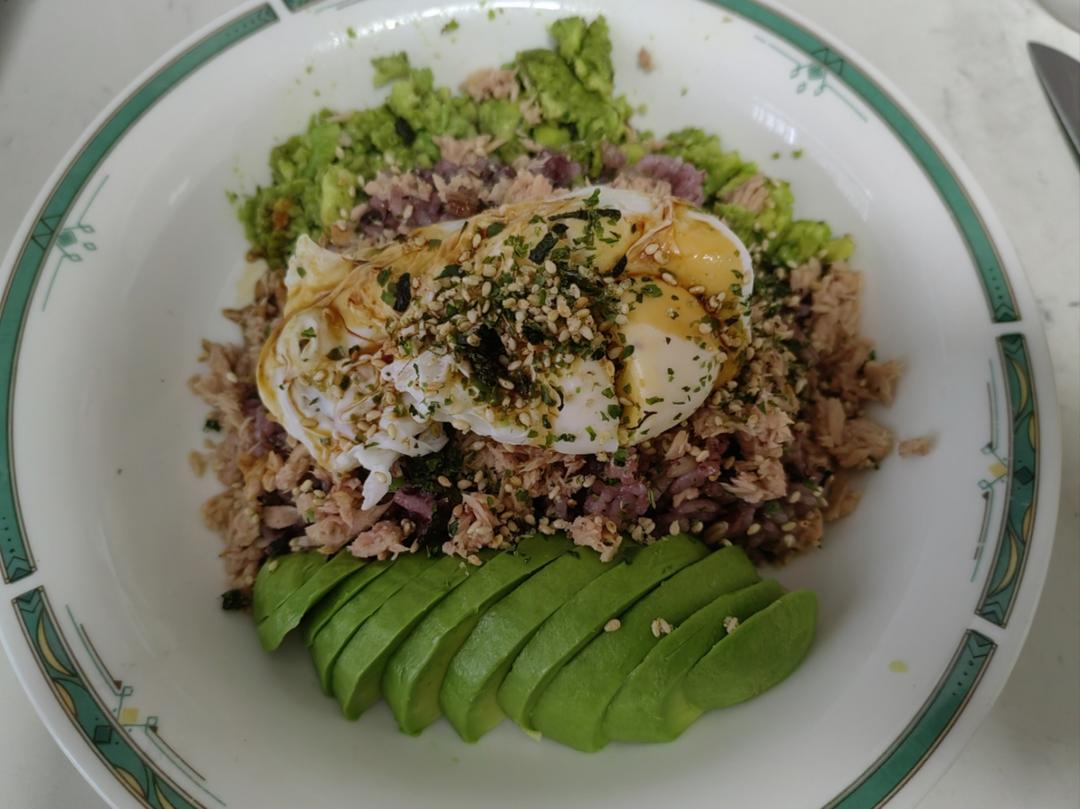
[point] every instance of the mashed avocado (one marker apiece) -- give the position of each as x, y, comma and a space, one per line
317, 177
319, 174
573, 86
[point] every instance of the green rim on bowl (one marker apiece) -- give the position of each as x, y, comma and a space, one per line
818, 66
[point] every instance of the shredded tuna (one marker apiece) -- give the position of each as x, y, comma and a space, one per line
805, 277
492, 83
197, 462
864, 444
467, 150
476, 527
841, 497
881, 379
836, 304
596, 532
752, 195
524, 186
915, 447
639, 182
381, 541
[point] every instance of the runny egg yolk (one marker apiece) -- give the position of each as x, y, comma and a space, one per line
674, 361
704, 256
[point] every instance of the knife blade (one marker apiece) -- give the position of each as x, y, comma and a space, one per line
1060, 77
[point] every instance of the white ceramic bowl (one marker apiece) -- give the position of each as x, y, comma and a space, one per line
131, 250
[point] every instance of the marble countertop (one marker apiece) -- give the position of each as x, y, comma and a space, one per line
963, 63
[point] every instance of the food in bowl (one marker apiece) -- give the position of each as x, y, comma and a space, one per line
523, 396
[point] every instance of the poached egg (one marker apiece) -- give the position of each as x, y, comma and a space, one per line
595, 320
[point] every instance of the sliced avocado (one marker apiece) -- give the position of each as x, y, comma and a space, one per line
468, 695
757, 655
337, 632
414, 675
582, 618
651, 706
358, 672
571, 709
339, 597
279, 578
287, 616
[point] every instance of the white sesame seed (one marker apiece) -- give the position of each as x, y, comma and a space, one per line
444, 481
753, 529
612, 625
696, 289
660, 627
668, 278
705, 328
674, 528
651, 248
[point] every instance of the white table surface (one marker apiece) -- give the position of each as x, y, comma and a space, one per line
961, 62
